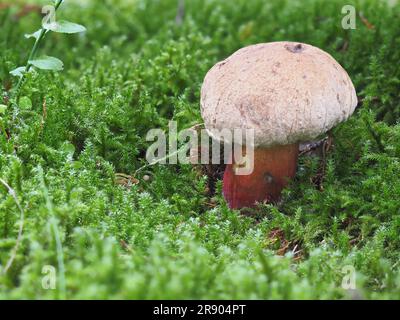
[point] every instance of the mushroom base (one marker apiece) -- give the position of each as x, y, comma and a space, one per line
273, 168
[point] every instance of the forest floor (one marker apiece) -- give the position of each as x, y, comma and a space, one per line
78, 218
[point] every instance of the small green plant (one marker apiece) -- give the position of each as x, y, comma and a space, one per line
45, 62
167, 236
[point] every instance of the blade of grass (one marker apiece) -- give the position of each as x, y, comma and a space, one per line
21, 225
54, 227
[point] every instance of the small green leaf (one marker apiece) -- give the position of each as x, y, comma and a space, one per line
18, 72
35, 35
47, 63
66, 27
3, 109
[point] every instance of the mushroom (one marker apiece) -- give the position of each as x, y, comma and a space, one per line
286, 92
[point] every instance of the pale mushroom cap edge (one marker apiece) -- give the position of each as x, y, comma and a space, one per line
286, 91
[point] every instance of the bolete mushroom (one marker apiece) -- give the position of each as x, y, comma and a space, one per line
287, 92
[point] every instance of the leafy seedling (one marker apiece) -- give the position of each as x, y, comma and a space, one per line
44, 62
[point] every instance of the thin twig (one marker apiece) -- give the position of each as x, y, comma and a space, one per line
307, 147
159, 160
368, 24
195, 127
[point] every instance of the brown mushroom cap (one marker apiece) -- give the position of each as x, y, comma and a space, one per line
286, 91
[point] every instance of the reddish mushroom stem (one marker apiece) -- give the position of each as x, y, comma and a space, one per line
273, 168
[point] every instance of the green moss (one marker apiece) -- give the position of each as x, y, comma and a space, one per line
135, 69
